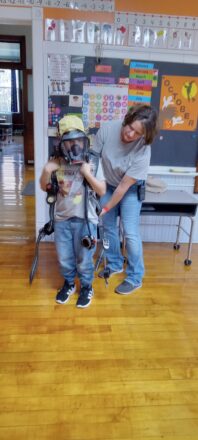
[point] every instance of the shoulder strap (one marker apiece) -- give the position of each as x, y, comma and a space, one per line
94, 157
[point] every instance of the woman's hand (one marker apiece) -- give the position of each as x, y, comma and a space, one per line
104, 211
119, 192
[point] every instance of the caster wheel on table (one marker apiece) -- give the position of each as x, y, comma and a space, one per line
176, 246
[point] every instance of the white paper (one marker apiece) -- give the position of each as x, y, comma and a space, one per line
59, 74
75, 100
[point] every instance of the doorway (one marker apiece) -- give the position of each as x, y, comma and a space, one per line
17, 155
16, 86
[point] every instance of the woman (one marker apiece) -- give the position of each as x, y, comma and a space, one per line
125, 150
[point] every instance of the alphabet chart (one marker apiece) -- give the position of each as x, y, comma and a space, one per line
103, 103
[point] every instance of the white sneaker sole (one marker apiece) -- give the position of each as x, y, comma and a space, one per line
79, 306
131, 291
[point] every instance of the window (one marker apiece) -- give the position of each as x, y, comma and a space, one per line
9, 91
12, 63
12, 52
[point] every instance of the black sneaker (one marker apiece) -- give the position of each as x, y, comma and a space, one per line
110, 271
125, 288
64, 293
86, 294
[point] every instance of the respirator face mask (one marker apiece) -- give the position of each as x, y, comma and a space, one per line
74, 147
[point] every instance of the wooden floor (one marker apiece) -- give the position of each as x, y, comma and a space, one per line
17, 212
126, 368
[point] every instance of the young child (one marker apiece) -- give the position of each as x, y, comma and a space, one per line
80, 177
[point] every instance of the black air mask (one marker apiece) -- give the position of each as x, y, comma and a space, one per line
74, 147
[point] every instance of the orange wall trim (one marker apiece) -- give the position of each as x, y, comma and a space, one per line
73, 14
168, 7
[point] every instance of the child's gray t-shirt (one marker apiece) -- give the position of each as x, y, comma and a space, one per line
72, 202
119, 159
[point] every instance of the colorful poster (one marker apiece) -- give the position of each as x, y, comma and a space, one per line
141, 76
179, 103
54, 112
103, 103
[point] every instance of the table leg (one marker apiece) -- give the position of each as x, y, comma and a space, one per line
188, 261
177, 245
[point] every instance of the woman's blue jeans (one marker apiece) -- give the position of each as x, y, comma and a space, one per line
74, 259
129, 211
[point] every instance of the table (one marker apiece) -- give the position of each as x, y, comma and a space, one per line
176, 203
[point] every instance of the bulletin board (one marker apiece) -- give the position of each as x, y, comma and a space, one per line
103, 89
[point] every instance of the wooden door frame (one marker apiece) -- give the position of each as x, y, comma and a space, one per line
26, 72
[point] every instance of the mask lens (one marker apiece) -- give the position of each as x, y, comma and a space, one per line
75, 148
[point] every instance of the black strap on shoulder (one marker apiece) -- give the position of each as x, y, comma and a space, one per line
94, 157
89, 193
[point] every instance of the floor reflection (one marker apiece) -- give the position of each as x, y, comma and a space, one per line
17, 211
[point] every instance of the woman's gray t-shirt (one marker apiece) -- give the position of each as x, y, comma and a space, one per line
119, 159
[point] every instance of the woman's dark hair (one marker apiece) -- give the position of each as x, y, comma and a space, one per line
148, 116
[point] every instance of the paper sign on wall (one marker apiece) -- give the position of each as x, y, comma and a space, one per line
59, 74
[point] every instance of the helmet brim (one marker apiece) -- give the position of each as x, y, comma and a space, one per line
73, 134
